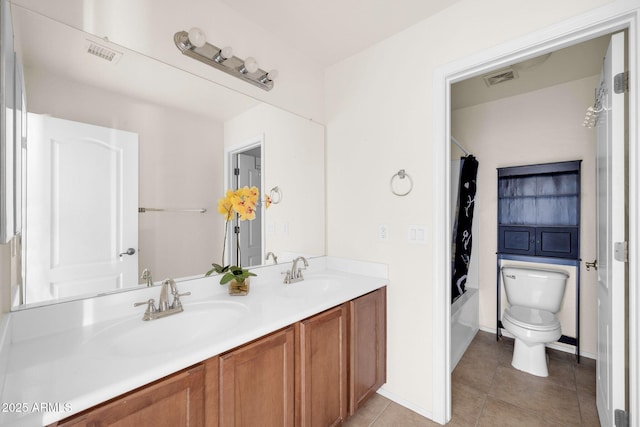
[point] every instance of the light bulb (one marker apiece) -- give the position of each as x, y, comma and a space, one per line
227, 52
250, 65
272, 75
223, 54
269, 77
197, 37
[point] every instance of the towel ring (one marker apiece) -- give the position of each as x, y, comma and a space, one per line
275, 195
402, 175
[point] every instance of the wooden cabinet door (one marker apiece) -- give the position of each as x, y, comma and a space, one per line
368, 347
176, 400
257, 383
211, 392
321, 367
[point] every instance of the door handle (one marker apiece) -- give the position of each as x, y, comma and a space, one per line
593, 265
129, 251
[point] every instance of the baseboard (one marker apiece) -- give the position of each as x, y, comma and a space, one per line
402, 402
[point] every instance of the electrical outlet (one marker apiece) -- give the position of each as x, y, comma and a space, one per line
383, 232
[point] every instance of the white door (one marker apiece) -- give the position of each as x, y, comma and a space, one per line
250, 231
610, 165
82, 198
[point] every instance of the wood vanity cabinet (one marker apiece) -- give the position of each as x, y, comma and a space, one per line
176, 400
316, 372
257, 383
321, 368
367, 347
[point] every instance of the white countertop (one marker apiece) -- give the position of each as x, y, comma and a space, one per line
62, 359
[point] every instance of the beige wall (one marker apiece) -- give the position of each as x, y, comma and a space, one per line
379, 110
293, 161
538, 127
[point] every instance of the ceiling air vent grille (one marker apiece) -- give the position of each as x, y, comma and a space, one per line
500, 77
103, 52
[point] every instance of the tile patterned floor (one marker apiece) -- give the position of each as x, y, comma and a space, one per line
488, 391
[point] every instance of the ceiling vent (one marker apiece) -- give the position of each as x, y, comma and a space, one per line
103, 52
500, 76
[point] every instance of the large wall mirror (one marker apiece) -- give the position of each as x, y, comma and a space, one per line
127, 158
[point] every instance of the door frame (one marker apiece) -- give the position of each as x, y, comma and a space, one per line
620, 15
229, 155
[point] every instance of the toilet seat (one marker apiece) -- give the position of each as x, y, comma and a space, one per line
531, 318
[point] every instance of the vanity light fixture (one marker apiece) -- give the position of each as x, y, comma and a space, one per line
194, 44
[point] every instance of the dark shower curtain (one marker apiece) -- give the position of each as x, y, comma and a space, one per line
462, 228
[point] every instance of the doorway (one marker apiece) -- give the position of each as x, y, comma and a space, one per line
246, 239
607, 22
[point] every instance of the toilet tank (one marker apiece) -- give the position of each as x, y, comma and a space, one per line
534, 288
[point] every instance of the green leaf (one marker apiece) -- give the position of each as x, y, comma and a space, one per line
226, 278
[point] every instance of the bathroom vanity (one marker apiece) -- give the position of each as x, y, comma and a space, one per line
308, 353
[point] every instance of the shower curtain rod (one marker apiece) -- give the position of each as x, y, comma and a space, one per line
464, 150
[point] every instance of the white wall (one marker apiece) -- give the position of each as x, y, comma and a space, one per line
537, 127
379, 109
181, 166
294, 161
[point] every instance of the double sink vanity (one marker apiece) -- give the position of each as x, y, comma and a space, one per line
303, 353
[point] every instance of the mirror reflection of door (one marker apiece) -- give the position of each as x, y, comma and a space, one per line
247, 173
82, 216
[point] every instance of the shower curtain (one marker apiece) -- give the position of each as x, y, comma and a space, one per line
461, 249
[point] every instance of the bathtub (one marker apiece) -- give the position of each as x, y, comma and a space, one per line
464, 324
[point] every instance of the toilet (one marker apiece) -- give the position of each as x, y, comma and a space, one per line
534, 296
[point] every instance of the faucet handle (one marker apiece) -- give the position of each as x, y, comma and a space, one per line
146, 275
151, 307
287, 277
176, 299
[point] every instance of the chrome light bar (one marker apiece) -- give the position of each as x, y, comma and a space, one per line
209, 54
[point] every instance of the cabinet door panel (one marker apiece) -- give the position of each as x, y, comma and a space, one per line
174, 401
368, 347
256, 383
322, 368
211, 391
560, 242
516, 240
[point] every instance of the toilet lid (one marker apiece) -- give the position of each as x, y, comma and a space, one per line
531, 318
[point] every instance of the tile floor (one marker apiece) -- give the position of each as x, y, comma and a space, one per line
488, 391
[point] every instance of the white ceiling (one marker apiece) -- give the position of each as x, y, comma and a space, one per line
326, 31
329, 31
571, 63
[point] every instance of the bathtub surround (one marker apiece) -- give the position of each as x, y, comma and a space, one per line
464, 324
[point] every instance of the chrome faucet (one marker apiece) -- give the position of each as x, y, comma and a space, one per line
164, 308
272, 255
295, 275
146, 275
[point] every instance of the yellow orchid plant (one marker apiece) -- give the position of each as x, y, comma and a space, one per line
241, 202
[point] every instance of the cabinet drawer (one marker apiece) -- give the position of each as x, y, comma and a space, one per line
516, 240
558, 242
555, 242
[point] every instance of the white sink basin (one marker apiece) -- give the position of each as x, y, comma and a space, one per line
134, 337
312, 287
